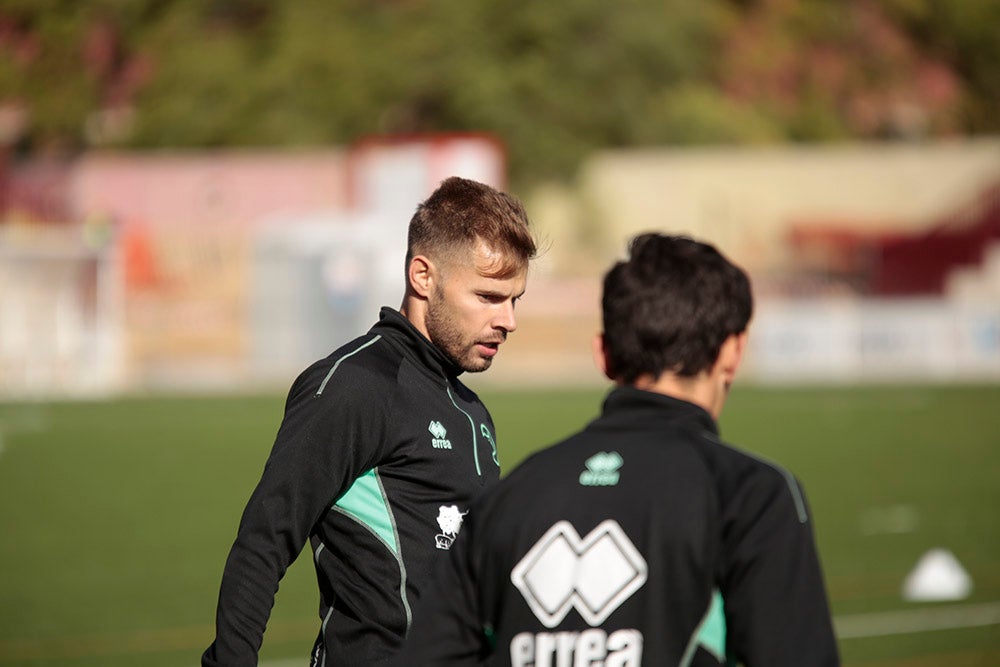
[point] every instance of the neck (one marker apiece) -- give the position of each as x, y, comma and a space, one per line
700, 389
414, 309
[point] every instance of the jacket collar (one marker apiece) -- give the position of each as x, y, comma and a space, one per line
395, 327
626, 404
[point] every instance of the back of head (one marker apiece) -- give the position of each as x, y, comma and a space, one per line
461, 213
670, 306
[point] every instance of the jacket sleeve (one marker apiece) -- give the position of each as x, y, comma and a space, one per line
777, 612
448, 626
325, 440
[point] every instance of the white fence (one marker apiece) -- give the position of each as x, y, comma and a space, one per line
60, 321
848, 341
67, 341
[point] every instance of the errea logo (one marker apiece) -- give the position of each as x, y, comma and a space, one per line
602, 469
594, 574
439, 434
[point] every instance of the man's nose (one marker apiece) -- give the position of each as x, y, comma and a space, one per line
505, 319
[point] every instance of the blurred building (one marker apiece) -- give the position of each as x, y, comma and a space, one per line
179, 271
231, 270
870, 261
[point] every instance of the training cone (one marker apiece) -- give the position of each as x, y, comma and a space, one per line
937, 576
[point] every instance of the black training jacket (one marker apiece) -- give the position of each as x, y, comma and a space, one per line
643, 539
378, 456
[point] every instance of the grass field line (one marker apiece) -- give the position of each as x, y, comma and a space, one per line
909, 621
848, 626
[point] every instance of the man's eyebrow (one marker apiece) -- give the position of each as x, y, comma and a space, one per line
498, 293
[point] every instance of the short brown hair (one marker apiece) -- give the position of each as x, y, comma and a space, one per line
462, 211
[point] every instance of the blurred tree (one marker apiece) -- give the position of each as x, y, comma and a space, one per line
560, 79
966, 35
553, 80
833, 70
700, 113
37, 50
68, 65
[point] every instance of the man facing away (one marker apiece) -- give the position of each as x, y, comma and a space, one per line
644, 538
381, 447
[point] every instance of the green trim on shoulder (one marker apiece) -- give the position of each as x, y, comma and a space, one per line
349, 354
793, 485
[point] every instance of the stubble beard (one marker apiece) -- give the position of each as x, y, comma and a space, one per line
446, 336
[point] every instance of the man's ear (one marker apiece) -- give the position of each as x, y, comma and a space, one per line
601, 358
731, 355
421, 274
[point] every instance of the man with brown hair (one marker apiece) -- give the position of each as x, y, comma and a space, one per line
382, 448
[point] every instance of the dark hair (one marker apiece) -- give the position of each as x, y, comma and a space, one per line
461, 211
670, 306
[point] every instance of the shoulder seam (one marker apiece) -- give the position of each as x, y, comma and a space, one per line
793, 486
322, 386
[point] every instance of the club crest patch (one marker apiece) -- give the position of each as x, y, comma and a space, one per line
450, 521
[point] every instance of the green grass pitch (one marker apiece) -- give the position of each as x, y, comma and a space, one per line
116, 517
